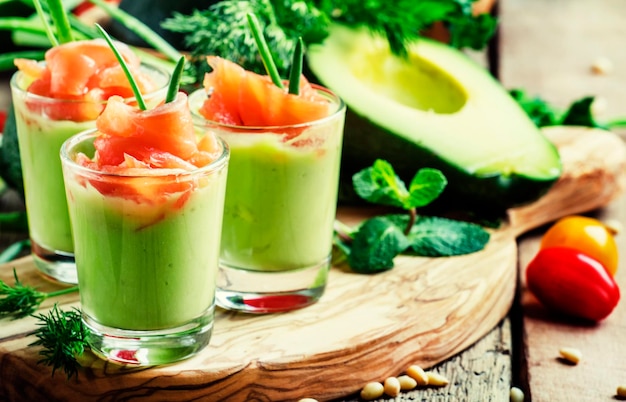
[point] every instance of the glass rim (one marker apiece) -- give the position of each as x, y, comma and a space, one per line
14, 84
199, 119
70, 143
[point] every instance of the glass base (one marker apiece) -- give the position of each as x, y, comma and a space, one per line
58, 266
149, 347
270, 291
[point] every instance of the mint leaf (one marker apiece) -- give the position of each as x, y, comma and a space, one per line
376, 243
442, 237
379, 184
426, 186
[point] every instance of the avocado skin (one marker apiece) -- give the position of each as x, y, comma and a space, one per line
364, 142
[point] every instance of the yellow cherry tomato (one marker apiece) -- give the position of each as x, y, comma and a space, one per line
587, 235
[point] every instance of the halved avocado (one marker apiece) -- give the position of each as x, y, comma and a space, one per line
439, 109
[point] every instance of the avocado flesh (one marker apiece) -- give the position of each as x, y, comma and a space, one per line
435, 109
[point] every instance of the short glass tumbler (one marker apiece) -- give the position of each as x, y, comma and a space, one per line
146, 265
280, 206
43, 124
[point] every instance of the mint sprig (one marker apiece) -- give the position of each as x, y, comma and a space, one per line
373, 246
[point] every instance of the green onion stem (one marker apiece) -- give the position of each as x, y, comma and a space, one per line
6, 59
140, 29
172, 89
60, 21
46, 24
129, 76
20, 24
264, 50
13, 250
296, 68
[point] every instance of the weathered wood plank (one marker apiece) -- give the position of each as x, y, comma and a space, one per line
548, 48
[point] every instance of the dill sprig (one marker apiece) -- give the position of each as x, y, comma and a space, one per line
20, 300
62, 335
221, 28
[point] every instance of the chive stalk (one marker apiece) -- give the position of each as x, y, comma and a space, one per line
60, 21
44, 20
172, 89
13, 250
296, 68
264, 50
140, 29
129, 76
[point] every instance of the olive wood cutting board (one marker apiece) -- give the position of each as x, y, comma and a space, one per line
365, 327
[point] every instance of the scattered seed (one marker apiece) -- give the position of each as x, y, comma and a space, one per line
621, 391
516, 395
571, 355
392, 386
372, 390
436, 379
407, 383
602, 66
418, 374
613, 226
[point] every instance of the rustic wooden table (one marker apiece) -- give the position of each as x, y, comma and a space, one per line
548, 49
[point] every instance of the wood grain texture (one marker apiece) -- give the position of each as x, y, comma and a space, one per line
547, 48
365, 327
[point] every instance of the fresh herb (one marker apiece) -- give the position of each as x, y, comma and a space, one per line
268, 60
296, 68
173, 87
53, 40
19, 300
264, 50
29, 32
373, 246
60, 21
579, 112
63, 338
221, 28
13, 251
133, 84
140, 29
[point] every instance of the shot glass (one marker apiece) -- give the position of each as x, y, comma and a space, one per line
146, 265
43, 124
280, 206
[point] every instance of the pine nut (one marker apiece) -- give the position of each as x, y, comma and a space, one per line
372, 390
571, 355
308, 400
516, 395
436, 379
602, 66
418, 374
621, 391
392, 386
407, 383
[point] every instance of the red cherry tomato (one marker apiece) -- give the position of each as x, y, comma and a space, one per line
568, 281
587, 235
